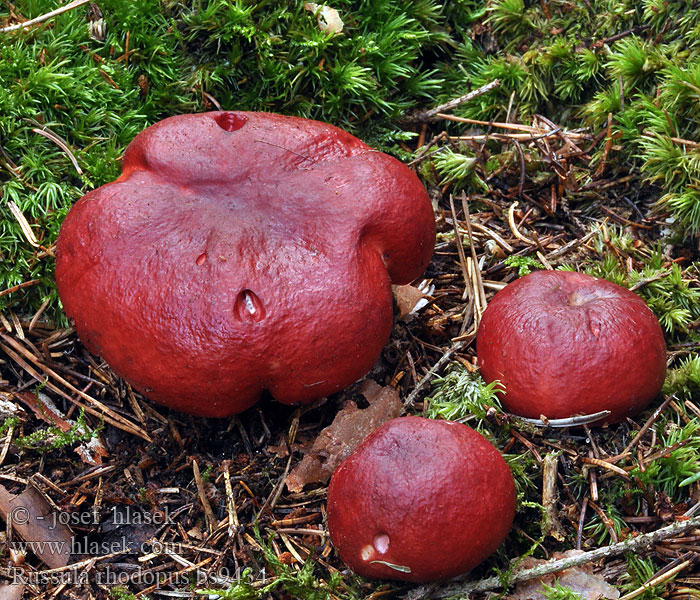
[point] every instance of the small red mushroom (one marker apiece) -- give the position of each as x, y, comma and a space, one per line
420, 500
241, 252
566, 344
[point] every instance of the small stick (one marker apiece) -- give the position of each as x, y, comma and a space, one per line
550, 496
460, 252
454, 103
426, 149
527, 443
563, 135
559, 252
644, 282
656, 581
581, 521
208, 513
6, 445
493, 235
685, 142
633, 544
23, 224
479, 305
607, 521
274, 496
510, 106
430, 374
511, 126
233, 523
593, 485
606, 149
38, 313
211, 99
619, 36
644, 429
664, 452
19, 286
605, 465
504, 137
478, 284
45, 17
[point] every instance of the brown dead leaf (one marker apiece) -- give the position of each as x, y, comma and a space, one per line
349, 428
44, 409
407, 297
35, 522
92, 452
581, 580
11, 591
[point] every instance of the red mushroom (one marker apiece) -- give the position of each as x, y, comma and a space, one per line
420, 500
565, 344
241, 252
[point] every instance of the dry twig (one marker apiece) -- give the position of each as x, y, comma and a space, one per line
44, 17
637, 545
452, 104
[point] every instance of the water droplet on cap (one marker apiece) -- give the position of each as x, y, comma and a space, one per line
248, 307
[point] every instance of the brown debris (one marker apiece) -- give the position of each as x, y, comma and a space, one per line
349, 428
11, 591
91, 451
407, 298
32, 518
550, 496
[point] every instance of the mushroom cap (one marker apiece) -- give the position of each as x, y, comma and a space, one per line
433, 498
565, 343
240, 252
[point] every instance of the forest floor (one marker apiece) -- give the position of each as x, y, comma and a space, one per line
163, 504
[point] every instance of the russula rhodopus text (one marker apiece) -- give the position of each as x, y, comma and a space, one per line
420, 500
240, 252
564, 344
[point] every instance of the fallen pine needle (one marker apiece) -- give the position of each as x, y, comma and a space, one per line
61, 144
44, 17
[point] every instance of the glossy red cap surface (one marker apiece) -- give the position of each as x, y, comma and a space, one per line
240, 252
564, 343
432, 498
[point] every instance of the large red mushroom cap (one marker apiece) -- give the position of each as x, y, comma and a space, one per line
420, 500
564, 344
240, 252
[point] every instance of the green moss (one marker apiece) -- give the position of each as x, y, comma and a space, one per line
459, 394
684, 380
559, 592
524, 264
54, 438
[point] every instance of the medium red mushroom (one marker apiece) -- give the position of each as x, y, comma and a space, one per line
565, 344
241, 252
420, 500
